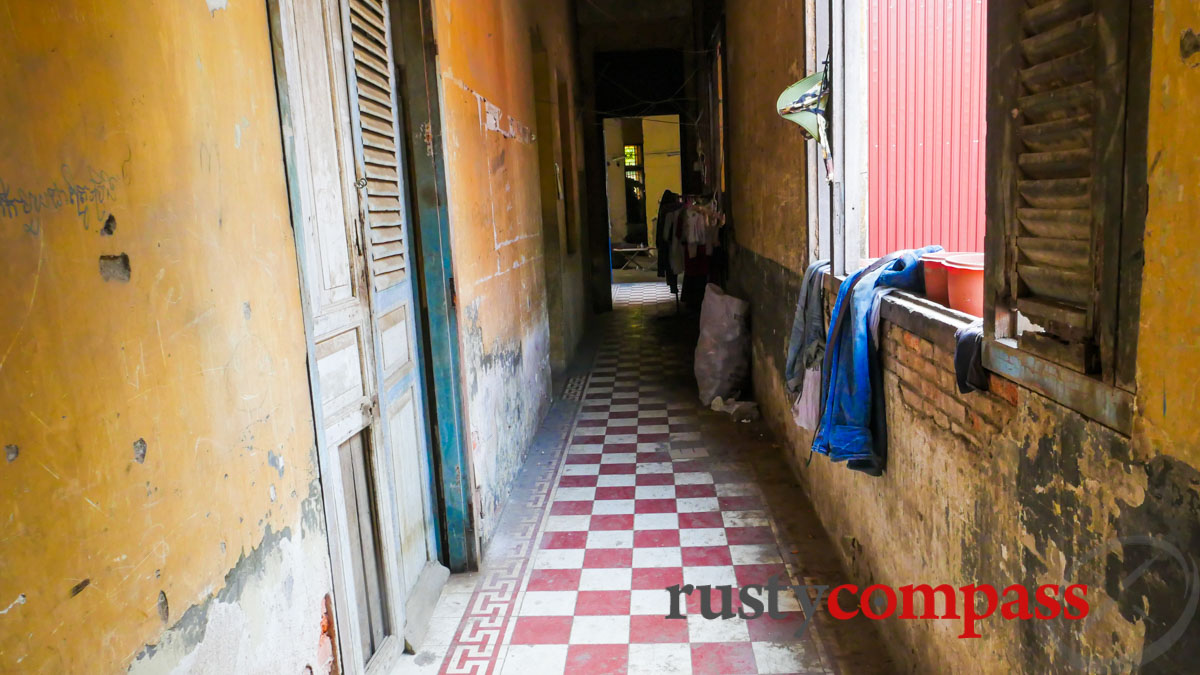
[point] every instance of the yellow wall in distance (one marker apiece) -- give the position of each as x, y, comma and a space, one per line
614, 179
660, 141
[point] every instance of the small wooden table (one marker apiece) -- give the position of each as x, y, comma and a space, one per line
631, 254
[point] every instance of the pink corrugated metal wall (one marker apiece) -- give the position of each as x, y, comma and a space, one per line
926, 124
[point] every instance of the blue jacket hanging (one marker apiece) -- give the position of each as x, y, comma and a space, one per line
847, 413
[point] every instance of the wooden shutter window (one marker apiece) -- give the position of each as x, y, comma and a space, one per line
387, 249
1068, 123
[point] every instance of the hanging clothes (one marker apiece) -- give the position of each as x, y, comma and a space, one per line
969, 373
698, 235
806, 345
702, 224
669, 208
689, 231
806, 348
852, 426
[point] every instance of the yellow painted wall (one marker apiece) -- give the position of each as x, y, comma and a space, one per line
163, 115
1169, 339
492, 179
614, 179
660, 143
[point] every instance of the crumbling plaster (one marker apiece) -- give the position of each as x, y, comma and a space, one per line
1050, 497
485, 57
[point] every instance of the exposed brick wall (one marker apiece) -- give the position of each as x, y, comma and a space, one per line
1000, 487
927, 386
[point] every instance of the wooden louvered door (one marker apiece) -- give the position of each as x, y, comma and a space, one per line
377, 139
333, 64
1068, 142
383, 207
355, 480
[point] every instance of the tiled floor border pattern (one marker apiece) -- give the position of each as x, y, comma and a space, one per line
478, 641
574, 388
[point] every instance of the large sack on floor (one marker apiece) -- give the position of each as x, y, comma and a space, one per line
723, 351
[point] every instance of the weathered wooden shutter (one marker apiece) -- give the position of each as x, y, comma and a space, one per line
379, 161
1069, 145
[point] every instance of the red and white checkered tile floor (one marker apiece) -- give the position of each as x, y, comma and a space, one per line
637, 501
630, 295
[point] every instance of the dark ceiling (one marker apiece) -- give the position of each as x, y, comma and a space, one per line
638, 83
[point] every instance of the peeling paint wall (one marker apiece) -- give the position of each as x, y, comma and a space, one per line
1043, 495
485, 57
1168, 394
159, 486
276, 594
766, 159
560, 173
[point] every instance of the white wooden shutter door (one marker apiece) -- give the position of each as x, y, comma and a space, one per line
380, 171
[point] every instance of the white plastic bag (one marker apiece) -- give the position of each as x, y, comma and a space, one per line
723, 350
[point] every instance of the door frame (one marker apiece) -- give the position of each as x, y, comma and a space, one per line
386, 501
838, 215
419, 86
406, 385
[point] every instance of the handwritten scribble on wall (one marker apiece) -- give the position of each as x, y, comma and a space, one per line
87, 195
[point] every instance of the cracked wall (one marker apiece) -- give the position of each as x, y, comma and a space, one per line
271, 596
1043, 496
493, 184
154, 398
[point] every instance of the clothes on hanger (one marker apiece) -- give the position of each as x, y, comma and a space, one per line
669, 208
689, 229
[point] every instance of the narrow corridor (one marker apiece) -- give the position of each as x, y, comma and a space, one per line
335, 340
631, 490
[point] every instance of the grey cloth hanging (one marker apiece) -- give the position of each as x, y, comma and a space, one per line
969, 372
806, 345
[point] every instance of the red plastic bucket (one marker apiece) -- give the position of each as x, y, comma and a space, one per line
935, 276
964, 282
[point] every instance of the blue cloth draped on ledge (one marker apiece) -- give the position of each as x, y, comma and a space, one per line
851, 383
